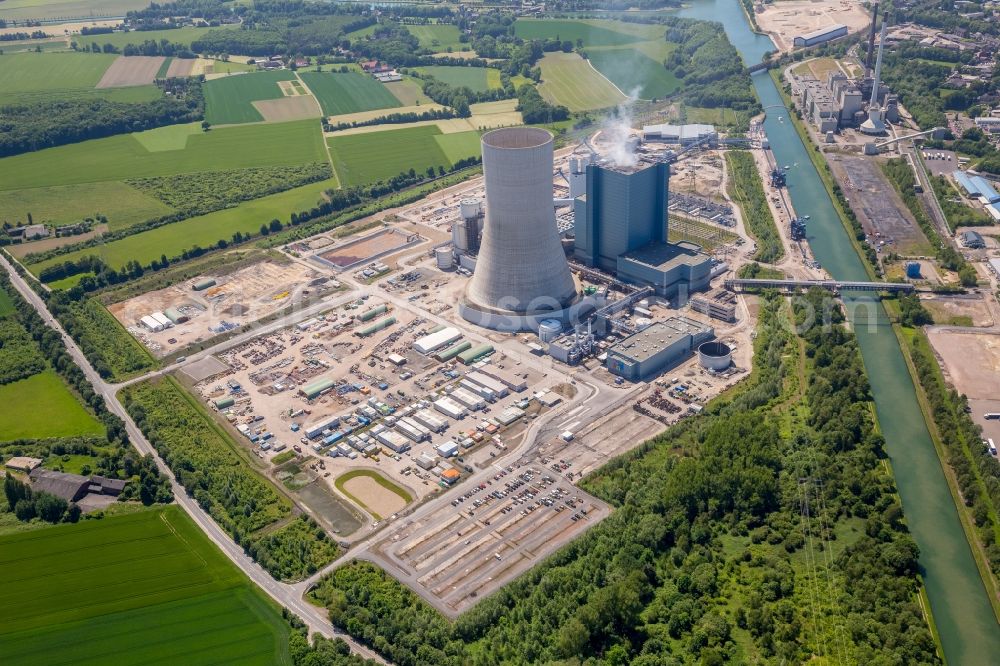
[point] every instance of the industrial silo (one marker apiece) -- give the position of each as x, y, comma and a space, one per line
715, 356
445, 259
521, 274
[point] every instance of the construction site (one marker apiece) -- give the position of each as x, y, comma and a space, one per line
171, 319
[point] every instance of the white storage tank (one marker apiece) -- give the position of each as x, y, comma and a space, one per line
715, 356
445, 259
549, 330
469, 208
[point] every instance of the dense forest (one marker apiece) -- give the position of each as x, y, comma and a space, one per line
534, 109
38, 125
766, 529
917, 87
708, 65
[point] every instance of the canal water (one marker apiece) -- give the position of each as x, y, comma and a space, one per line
965, 620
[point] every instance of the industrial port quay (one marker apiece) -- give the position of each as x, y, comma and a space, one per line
449, 374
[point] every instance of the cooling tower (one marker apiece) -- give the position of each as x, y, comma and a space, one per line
521, 274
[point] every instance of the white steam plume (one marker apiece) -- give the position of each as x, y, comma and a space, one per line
615, 133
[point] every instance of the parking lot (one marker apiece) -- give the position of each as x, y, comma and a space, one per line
488, 535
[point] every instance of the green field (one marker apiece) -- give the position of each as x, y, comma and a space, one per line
459, 145
49, 72
375, 156
183, 36
124, 156
146, 588
630, 55
231, 67
473, 78
348, 93
634, 73
569, 80
593, 33
66, 9
230, 99
122, 204
126, 95
437, 37
41, 406
204, 230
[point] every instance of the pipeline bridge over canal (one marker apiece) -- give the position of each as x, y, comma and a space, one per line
835, 286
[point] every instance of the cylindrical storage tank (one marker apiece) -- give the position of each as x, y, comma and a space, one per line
469, 208
445, 259
549, 330
715, 356
521, 268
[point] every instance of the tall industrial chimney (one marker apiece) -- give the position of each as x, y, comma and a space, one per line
875, 125
877, 80
521, 273
871, 40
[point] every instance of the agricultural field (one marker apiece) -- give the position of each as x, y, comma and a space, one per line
147, 587
66, 9
230, 99
42, 406
46, 74
122, 204
124, 156
126, 95
593, 33
569, 80
370, 157
478, 79
630, 55
502, 113
437, 37
408, 92
348, 93
204, 230
635, 73
459, 145
227, 67
132, 71
120, 40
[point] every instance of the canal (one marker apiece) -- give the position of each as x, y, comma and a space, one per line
962, 612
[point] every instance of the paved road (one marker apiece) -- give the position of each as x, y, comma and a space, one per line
288, 596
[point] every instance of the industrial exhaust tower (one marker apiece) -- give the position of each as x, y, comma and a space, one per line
875, 125
521, 274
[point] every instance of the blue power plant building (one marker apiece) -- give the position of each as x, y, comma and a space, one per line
621, 225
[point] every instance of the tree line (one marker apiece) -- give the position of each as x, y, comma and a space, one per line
976, 470
534, 109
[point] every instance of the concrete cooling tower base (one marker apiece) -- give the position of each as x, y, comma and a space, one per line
569, 313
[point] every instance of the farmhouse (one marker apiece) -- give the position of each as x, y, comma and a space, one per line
73, 487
